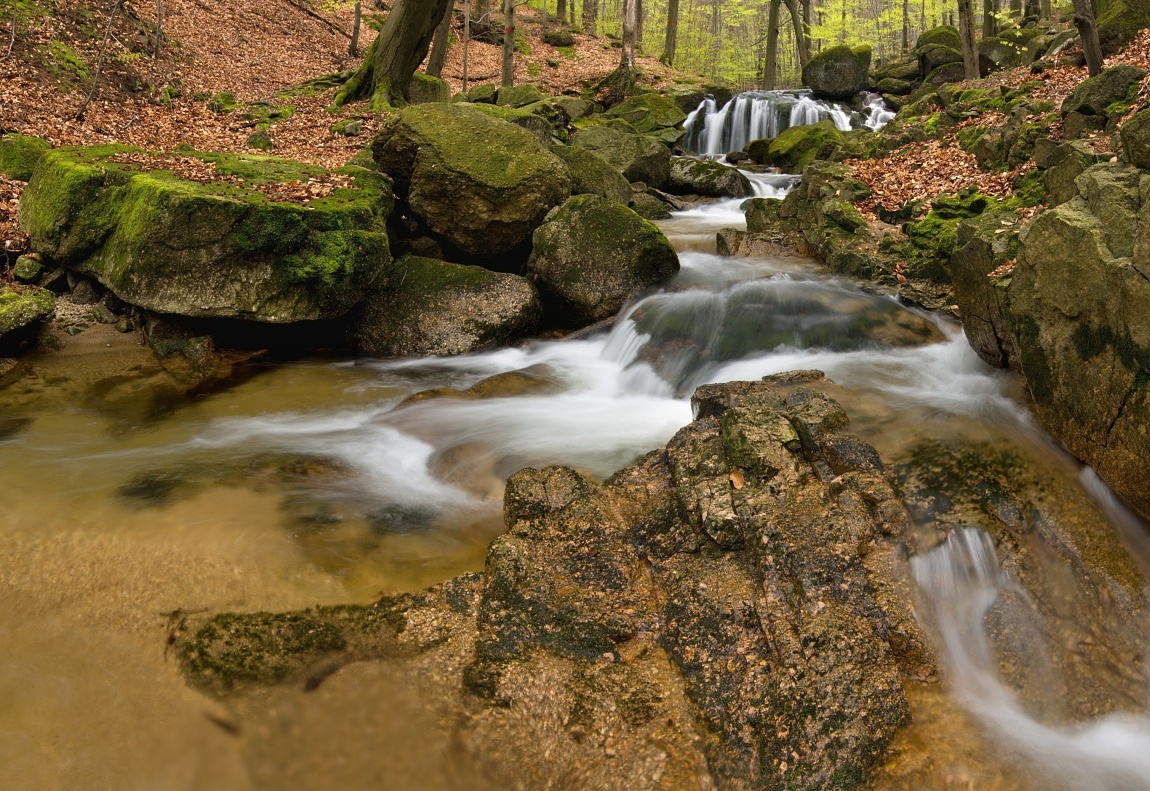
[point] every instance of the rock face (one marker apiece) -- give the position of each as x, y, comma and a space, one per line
593, 255
428, 307
1136, 140
591, 175
481, 184
699, 177
211, 247
838, 72
637, 157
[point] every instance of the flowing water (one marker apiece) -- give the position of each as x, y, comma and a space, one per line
331, 481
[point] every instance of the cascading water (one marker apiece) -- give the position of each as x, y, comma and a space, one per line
877, 113
714, 131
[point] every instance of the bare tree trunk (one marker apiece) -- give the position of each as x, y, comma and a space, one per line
1044, 10
771, 66
590, 16
905, 26
395, 54
466, 39
672, 33
353, 47
843, 24
1088, 32
508, 75
807, 11
966, 34
100, 61
439, 44
561, 11
1015, 9
639, 16
544, 16
630, 27
802, 43
989, 21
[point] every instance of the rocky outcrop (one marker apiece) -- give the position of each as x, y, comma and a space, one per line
1097, 98
691, 176
637, 157
225, 242
838, 72
428, 307
1135, 135
478, 183
592, 255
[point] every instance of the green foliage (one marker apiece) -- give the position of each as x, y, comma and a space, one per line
66, 64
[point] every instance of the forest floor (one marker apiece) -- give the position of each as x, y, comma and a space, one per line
256, 49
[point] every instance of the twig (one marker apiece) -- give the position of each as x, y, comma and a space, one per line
11, 41
99, 61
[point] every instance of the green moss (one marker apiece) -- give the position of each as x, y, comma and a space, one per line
1030, 188
66, 64
223, 103
20, 306
567, 52
19, 155
969, 136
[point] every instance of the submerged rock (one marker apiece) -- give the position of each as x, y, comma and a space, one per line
478, 182
593, 255
220, 246
428, 307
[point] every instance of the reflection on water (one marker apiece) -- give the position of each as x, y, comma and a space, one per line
332, 481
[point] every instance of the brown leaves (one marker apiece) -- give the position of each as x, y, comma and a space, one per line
737, 479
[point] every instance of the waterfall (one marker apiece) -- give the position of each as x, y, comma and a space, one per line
877, 113
713, 131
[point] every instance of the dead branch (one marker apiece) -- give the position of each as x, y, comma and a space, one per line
11, 41
99, 61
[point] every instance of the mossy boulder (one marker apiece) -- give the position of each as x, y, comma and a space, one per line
482, 94
997, 53
691, 176
948, 72
519, 95
425, 88
428, 307
591, 175
537, 125
649, 206
224, 246
593, 255
23, 306
1135, 135
906, 70
686, 96
648, 112
894, 86
575, 107
559, 37
223, 103
637, 157
838, 72
19, 155
1094, 95
481, 184
946, 35
935, 55
1120, 23
798, 146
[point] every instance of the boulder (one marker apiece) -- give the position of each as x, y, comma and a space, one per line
593, 255
648, 113
637, 157
559, 37
537, 125
428, 307
838, 72
691, 176
482, 94
995, 54
519, 95
948, 72
798, 146
1094, 95
480, 183
591, 175
1120, 23
575, 107
935, 55
21, 307
946, 35
1135, 135
1063, 166
686, 95
905, 70
425, 88
231, 244
893, 86
19, 155
649, 207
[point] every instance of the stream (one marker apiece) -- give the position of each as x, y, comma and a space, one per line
328, 481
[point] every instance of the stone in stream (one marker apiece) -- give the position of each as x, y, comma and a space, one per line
219, 246
21, 309
592, 255
691, 176
479, 183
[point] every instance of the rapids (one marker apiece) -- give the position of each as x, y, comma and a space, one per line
326, 481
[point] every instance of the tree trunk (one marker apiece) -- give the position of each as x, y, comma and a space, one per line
989, 21
590, 17
966, 34
1088, 32
561, 11
672, 32
482, 9
802, 44
439, 44
1044, 10
159, 29
466, 39
544, 28
1015, 9
395, 54
507, 78
640, 15
843, 24
353, 46
905, 27
770, 67
630, 28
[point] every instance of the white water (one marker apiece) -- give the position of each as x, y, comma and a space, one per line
877, 113
962, 581
713, 131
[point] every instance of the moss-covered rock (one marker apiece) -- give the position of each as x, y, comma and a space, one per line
637, 157
223, 103
691, 176
1120, 23
649, 206
591, 175
933, 56
19, 155
798, 146
425, 88
948, 72
894, 86
575, 107
519, 95
593, 255
1135, 135
481, 184
482, 94
686, 96
224, 247
838, 72
1094, 95
997, 53
427, 307
559, 37
648, 113
946, 35
22, 306
537, 125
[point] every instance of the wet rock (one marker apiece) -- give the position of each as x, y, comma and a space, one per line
698, 177
795, 148
428, 307
593, 255
649, 207
193, 360
21, 309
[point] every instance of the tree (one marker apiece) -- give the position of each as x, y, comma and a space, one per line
1088, 32
770, 65
966, 34
395, 54
590, 15
802, 39
507, 77
438, 55
672, 32
989, 18
630, 30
